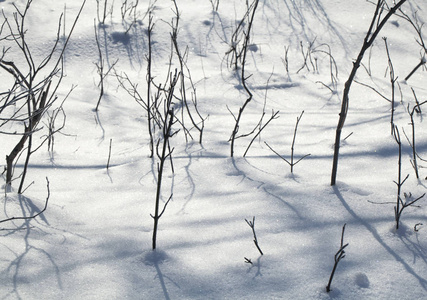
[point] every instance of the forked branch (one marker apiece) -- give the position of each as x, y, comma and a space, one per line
374, 29
251, 15
252, 225
338, 256
291, 163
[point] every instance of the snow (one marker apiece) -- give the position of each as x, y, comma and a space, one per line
94, 239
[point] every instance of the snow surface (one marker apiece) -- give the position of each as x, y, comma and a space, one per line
94, 239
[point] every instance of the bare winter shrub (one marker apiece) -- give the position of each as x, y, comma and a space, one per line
291, 163
400, 203
239, 55
164, 150
337, 258
215, 4
196, 119
252, 226
393, 80
416, 23
100, 65
416, 109
377, 23
33, 88
103, 11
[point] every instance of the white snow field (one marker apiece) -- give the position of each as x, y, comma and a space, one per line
94, 240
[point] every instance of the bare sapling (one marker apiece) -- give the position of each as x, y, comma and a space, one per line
400, 182
409, 201
291, 163
418, 26
368, 66
333, 68
51, 125
101, 67
368, 70
338, 256
393, 80
33, 91
325, 50
377, 23
215, 4
251, 14
164, 151
411, 112
52, 118
198, 123
235, 53
102, 12
285, 59
418, 108
252, 226
307, 58
311, 57
109, 154
261, 126
149, 105
149, 79
129, 9
400, 204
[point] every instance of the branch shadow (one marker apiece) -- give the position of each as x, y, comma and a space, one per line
132, 41
264, 186
155, 258
375, 234
256, 265
98, 122
418, 250
15, 267
189, 177
298, 20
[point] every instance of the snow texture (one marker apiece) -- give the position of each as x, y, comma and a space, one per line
94, 239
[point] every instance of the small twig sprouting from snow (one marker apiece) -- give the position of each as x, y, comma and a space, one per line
347, 136
291, 163
338, 256
109, 154
248, 261
416, 227
252, 225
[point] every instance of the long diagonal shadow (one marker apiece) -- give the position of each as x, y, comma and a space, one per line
373, 231
262, 185
162, 281
155, 258
16, 266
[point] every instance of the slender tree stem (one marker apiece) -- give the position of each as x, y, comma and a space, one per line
367, 43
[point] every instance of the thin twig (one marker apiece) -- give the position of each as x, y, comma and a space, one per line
338, 256
109, 154
252, 225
